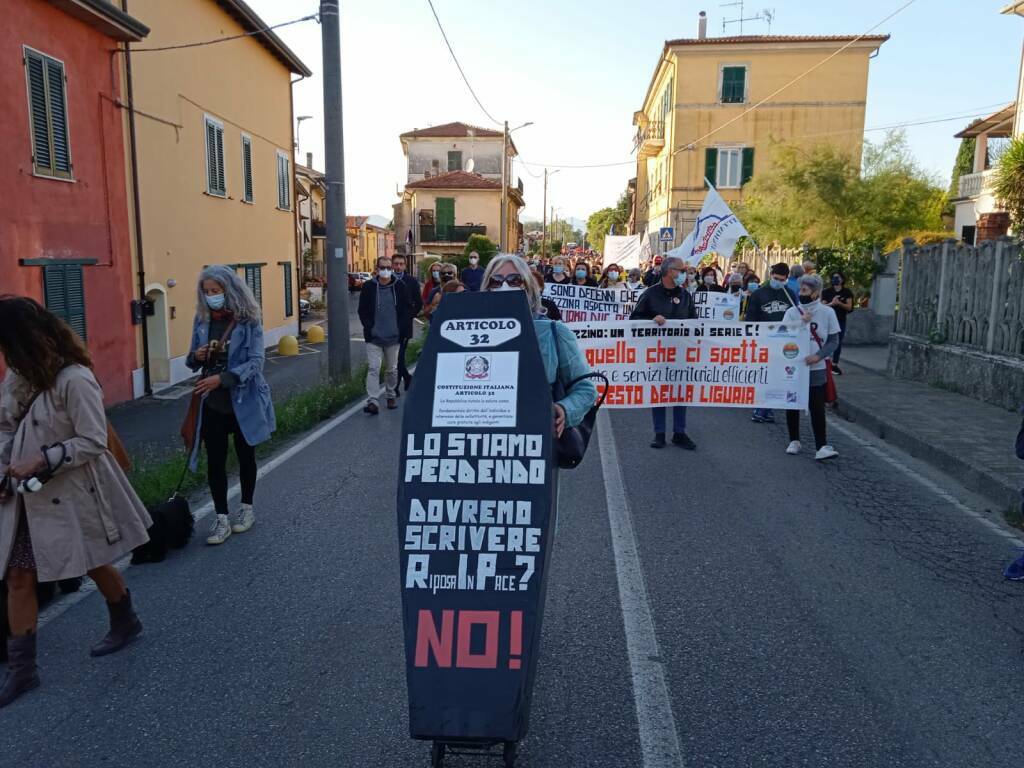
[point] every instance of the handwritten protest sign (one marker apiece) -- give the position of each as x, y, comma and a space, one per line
699, 362
579, 304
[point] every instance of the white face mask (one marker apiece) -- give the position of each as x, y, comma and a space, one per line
474, 260
613, 275
385, 273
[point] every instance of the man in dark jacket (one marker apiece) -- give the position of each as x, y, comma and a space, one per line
385, 310
412, 286
668, 300
768, 304
653, 275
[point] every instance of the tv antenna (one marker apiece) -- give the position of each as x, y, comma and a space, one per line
767, 15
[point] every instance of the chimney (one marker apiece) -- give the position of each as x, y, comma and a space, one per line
309, 159
702, 26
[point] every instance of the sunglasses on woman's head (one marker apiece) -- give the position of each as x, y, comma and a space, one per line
513, 280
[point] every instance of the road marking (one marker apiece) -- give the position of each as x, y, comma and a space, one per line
659, 738
929, 484
58, 607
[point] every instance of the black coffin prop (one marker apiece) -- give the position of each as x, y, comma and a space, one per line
475, 519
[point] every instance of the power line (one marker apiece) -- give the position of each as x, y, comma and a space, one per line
260, 31
459, 66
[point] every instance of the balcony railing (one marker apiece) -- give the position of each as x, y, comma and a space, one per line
319, 229
431, 233
650, 140
976, 184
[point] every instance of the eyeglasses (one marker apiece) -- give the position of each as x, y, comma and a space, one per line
449, 275
513, 281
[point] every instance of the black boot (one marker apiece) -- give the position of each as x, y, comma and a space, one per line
659, 440
124, 627
22, 673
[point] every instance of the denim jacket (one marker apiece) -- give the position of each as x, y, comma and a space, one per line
564, 360
250, 397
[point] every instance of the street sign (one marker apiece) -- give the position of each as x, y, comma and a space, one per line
666, 235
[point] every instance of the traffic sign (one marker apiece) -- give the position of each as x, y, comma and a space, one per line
667, 235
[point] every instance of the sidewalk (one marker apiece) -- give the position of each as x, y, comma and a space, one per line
963, 437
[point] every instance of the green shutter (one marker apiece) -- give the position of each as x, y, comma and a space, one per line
215, 183
247, 169
51, 152
64, 294
734, 82
454, 161
288, 310
254, 279
58, 117
710, 166
748, 165
283, 187
444, 217
42, 157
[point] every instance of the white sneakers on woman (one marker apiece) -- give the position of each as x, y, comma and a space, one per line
239, 521
794, 448
825, 452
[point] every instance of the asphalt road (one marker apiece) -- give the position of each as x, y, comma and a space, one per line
805, 615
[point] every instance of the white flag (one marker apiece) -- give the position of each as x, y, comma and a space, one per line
717, 230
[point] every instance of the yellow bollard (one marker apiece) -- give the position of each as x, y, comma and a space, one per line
288, 346
315, 334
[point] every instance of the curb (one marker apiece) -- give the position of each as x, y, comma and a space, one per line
1001, 491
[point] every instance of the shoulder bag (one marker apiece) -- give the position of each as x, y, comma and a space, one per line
571, 447
191, 421
831, 393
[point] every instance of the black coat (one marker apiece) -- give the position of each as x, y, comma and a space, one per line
368, 308
415, 293
674, 304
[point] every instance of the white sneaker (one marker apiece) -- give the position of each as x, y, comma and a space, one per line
219, 531
242, 520
826, 452
794, 448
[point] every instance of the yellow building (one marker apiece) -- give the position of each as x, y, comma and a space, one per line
366, 243
690, 127
214, 147
311, 195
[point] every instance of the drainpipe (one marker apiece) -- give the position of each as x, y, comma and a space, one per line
295, 208
137, 203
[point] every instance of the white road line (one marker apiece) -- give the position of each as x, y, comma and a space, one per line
930, 485
659, 738
58, 607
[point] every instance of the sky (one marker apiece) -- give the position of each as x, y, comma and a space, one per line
578, 69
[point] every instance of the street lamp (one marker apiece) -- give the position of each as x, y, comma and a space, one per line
544, 214
503, 237
298, 127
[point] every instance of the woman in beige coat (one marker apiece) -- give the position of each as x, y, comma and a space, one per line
86, 515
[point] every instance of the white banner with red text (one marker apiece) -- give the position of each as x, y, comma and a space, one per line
699, 362
579, 304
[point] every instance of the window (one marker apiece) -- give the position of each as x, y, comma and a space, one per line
454, 161
215, 157
284, 187
254, 279
667, 102
288, 310
734, 85
729, 167
967, 234
247, 194
64, 290
48, 115
445, 207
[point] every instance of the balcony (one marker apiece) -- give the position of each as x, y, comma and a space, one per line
650, 139
974, 185
430, 233
319, 229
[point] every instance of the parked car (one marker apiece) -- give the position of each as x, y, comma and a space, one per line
303, 308
355, 280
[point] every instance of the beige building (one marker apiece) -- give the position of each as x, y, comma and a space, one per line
215, 137
311, 195
453, 189
692, 125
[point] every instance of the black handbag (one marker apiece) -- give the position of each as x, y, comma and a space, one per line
571, 447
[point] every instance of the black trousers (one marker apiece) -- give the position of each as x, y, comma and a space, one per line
216, 428
403, 370
816, 405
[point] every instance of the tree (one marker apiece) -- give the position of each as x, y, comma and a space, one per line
600, 223
821, 197
962, 166
1008, 183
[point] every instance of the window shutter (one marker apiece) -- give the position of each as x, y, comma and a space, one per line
58, 117
247, 169
733, 84
43, 157
288, 310
748, 165
64, 289
710, 166
221, 186
454, 161
254, 279
214, 158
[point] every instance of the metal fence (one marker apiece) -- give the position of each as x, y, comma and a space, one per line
761, 259
969, 296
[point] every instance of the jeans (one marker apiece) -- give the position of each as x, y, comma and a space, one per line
375, 355
403, 370
678, 419
816, 405
216, 428
839, 349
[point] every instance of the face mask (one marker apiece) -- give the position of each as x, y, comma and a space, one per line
710, 280
385, 273
474, 261
680, 280
633, 284
734, 288
613, 275
507, 287
581, 273
776, 284
436, 275
752, 286
836, 282
445, 278
558, 269
215, 301
807, 299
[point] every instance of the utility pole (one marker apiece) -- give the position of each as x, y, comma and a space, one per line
339, 355
503, 238
544, 228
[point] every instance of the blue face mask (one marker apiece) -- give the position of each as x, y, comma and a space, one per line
558, 269
680, 280
215, 301
752, 286
581, 273
776, 284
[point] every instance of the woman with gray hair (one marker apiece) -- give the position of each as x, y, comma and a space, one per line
824, 327
563, 360
227, 347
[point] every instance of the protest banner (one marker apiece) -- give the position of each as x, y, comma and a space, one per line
475, 519
579, 304
699, 362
